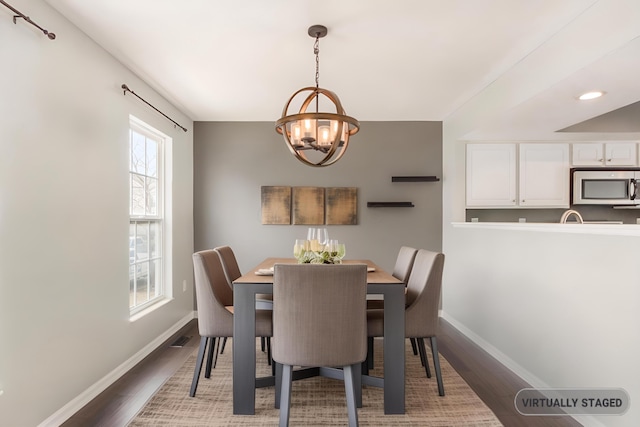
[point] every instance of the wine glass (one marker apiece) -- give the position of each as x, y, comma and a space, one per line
312, 238
311, 233
323, 237
298, 248
341, 251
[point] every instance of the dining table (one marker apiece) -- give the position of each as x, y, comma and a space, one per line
259, 281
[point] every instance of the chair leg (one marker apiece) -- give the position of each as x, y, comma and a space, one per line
423, 356
271, 361
224, 342
198, 368
357, 382
350, 391
285, 395
210, 354
364, 366
421, 351
278, 387
262, 343
268, 343
436, 364
370, 352
215, 359
414, 347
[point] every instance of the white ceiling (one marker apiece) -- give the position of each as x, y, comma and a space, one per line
240, 60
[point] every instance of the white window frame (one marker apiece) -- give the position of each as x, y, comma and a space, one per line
162, 289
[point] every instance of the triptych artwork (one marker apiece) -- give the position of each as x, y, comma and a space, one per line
309, 205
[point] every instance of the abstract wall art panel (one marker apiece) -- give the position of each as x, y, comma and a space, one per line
341, 205
308, 205
276, 205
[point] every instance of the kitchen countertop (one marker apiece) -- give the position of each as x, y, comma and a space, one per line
588, 228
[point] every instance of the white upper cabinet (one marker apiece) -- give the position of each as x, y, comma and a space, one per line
544, 175
605, 154
491, 175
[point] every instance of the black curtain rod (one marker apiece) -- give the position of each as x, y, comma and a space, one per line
26, 18
126, 89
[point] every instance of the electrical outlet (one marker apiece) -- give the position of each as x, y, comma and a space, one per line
184, 285
522, 219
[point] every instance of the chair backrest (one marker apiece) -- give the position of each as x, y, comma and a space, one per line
319, 314
404, 263
229, 264
423, 294
212, 295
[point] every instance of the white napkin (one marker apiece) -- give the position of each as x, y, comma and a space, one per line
265, 272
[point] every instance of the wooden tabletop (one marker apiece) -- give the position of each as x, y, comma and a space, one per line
377, 276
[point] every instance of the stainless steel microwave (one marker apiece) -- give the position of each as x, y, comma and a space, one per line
605, 186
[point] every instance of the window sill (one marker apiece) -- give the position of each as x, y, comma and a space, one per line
140, 314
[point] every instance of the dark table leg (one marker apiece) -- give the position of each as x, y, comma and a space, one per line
394, 349
244, 349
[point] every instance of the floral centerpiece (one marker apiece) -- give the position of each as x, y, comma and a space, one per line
310, 252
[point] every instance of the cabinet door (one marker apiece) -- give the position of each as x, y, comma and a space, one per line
620, 154
491, 175
605, 154
544, 175
588, 154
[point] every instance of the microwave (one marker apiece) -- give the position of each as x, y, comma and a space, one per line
605, 186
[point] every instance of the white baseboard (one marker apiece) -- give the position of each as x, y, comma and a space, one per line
64, 413
534, 381
497, 354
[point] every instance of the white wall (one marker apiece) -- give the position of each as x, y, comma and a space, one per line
64, 316
559, 309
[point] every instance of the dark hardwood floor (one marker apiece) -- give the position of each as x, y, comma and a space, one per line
495, 384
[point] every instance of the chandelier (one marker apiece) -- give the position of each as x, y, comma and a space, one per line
317, 132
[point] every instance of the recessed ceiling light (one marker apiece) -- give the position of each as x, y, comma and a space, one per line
590, 95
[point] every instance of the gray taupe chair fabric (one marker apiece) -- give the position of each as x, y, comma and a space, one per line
421, 313
404, 263
401, 271
214, 299
232, 272
319, 319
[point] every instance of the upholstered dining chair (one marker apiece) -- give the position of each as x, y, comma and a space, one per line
232, 272
421, 313
214, 299
319, 319
401, 271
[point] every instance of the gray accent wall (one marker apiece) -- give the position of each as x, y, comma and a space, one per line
232, 160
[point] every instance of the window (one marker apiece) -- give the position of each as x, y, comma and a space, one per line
146, 216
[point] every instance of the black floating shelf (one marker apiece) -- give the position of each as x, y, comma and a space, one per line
390, 204
414, 179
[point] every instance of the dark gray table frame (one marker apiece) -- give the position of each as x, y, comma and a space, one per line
244, 356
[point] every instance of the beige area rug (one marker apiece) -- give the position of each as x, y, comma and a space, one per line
316, 401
